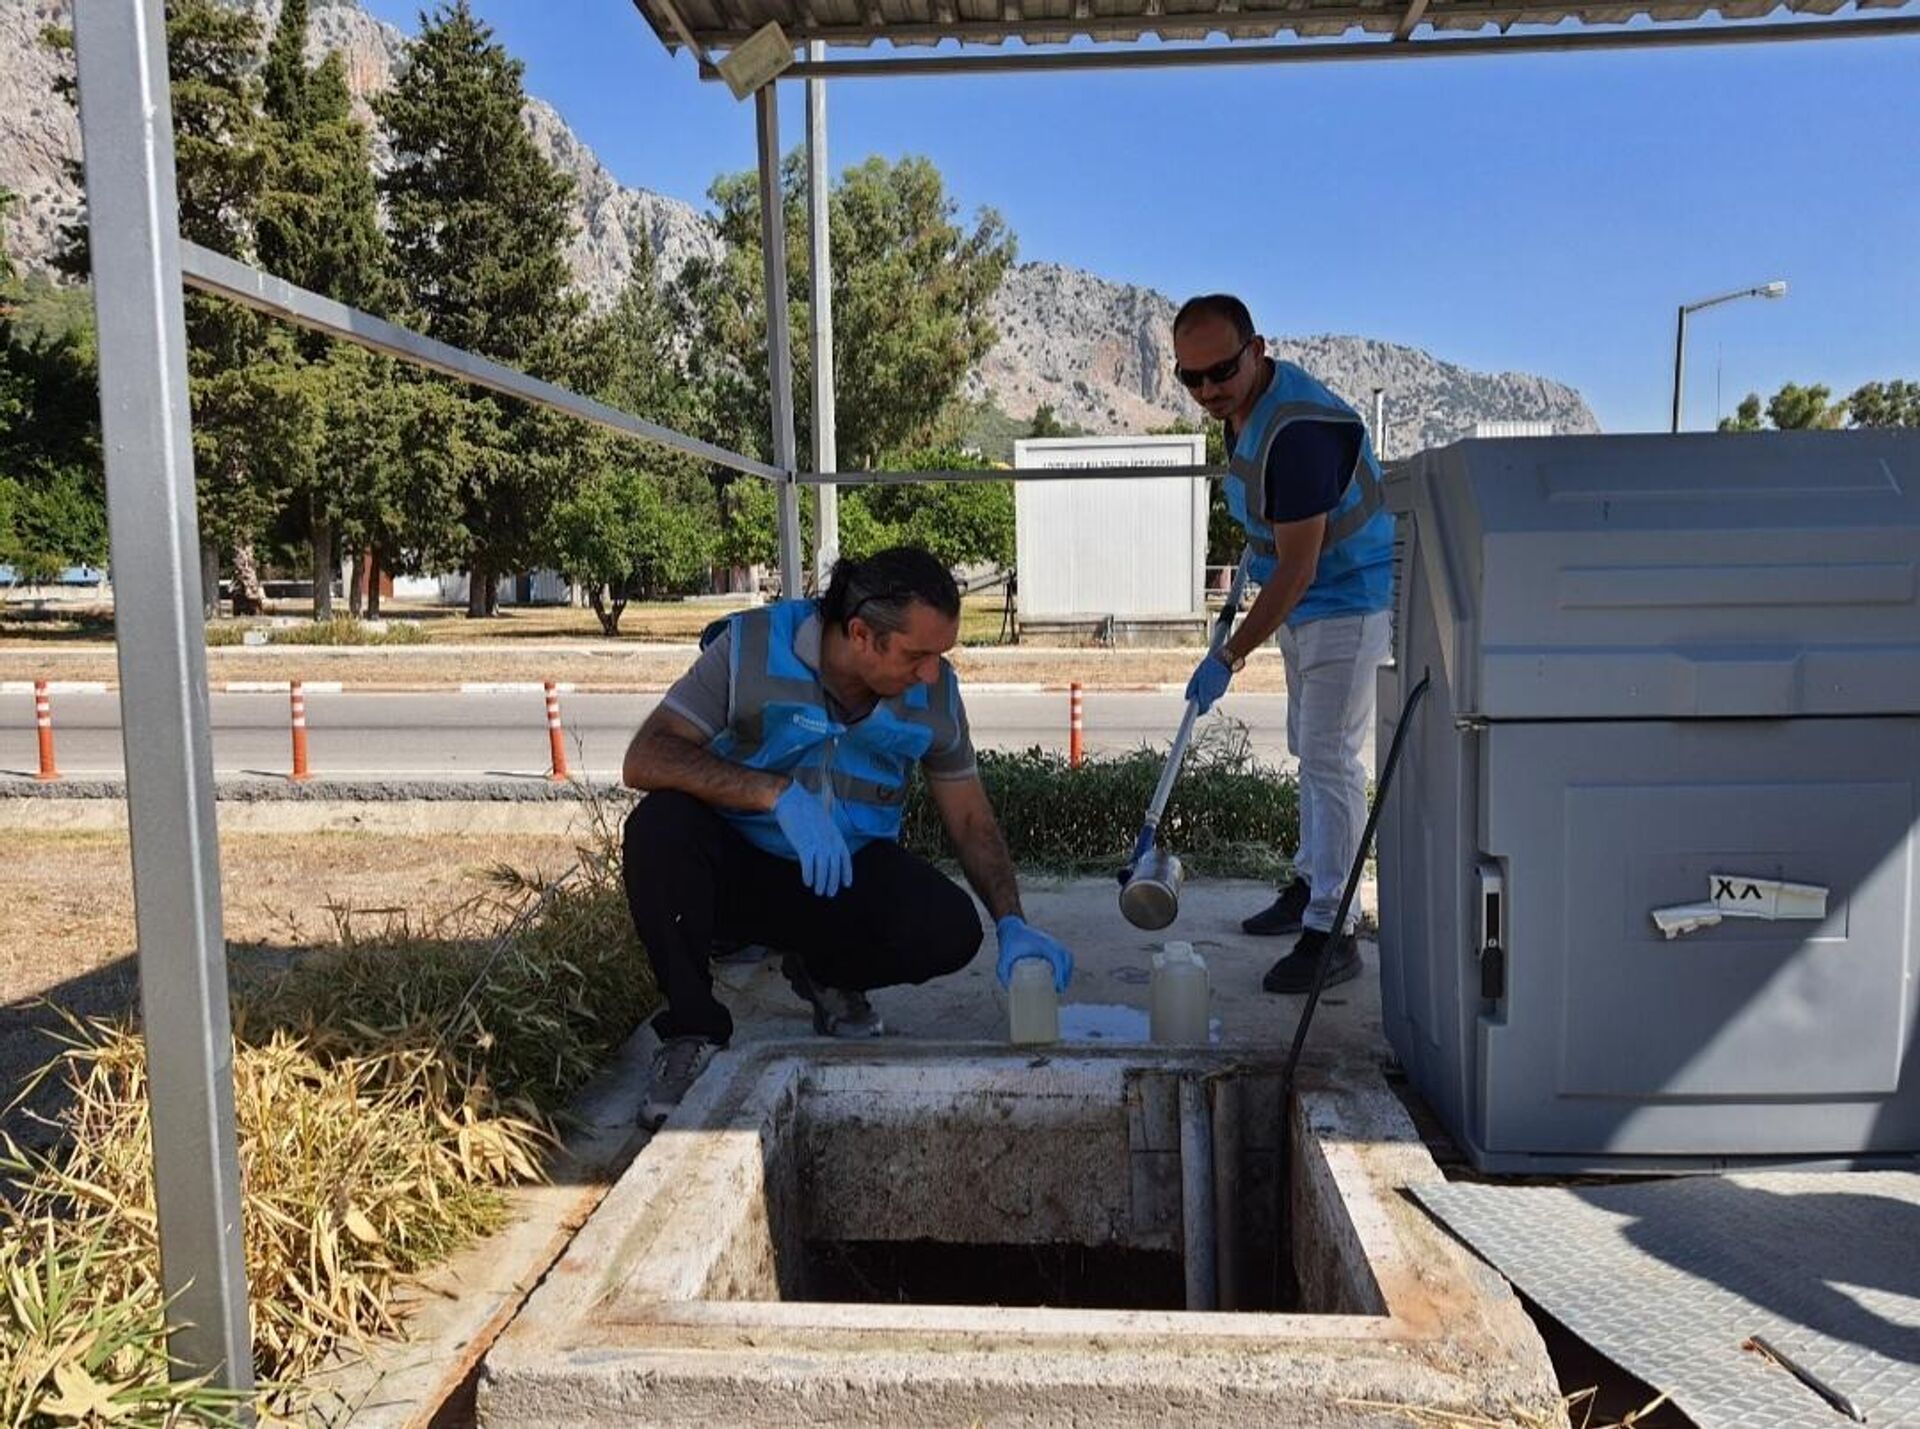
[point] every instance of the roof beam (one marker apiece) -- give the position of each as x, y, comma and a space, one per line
685, 32
1016, 23
1343, 51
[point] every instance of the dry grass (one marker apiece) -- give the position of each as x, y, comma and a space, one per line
1578, 1408
73, 1357
386, 1089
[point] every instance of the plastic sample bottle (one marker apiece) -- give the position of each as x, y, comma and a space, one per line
1033, 1003
1180, 993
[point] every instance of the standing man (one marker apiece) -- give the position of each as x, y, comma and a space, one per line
777, 770
1304, 483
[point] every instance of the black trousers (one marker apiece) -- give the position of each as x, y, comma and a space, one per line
692, 877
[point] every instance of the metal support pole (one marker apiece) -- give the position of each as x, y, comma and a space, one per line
1225, 1105
773, 250
1379, 424
1199, 1250
1679, 362
826, 526
126, 125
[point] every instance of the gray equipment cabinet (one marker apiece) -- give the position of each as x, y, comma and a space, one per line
1676, 682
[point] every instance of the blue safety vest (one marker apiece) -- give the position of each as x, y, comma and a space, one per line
1355, 572
778, 720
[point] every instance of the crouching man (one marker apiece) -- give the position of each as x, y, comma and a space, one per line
776, 773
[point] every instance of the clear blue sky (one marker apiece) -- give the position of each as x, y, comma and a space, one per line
1540, 213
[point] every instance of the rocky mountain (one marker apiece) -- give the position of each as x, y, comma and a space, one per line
1101, 355
1098, 352
39, 133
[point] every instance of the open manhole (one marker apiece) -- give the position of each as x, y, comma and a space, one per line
933, 1235
1066, 1182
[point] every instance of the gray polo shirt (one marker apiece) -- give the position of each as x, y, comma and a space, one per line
701, 698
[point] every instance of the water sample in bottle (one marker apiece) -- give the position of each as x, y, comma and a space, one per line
1180, 993
1033, 1003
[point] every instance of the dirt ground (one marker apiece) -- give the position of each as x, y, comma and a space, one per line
66, 924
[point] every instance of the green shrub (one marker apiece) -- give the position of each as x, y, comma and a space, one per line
1229, 815
345, 630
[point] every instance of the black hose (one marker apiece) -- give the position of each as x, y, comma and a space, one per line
1283, 1230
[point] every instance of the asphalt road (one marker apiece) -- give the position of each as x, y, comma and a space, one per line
456, 735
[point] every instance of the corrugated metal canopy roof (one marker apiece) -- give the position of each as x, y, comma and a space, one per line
718, 25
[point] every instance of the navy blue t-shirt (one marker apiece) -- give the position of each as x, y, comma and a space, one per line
1308, 468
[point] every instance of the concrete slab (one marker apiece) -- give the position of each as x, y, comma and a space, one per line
682, 1302
1113, 966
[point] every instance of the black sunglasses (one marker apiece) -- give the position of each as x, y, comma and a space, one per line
1191, 377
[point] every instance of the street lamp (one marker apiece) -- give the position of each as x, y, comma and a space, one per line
1775, 289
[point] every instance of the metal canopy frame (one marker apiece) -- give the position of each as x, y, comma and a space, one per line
140, 268
1396, 49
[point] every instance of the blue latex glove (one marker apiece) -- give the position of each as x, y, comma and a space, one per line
1018, 941
1209, 682
826, 864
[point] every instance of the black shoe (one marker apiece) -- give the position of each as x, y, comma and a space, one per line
1294, 972
837, 1011
1283, 914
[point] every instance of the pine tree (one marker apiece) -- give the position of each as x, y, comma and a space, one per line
479, 224
284, 76
318, 227
212, 55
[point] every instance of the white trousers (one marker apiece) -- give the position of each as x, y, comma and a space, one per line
1330, 697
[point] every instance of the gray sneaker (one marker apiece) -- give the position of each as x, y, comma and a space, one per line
677, 1065
837, 1011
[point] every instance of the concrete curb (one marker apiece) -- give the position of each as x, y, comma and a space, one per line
279, 687
568, 687
533, 789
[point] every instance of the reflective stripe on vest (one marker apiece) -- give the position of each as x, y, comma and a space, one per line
1252, 471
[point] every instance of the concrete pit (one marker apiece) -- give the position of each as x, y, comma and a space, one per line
967, 1235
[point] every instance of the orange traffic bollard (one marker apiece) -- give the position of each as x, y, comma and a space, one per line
1075, 753
43, 721
298, 697
554, 737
